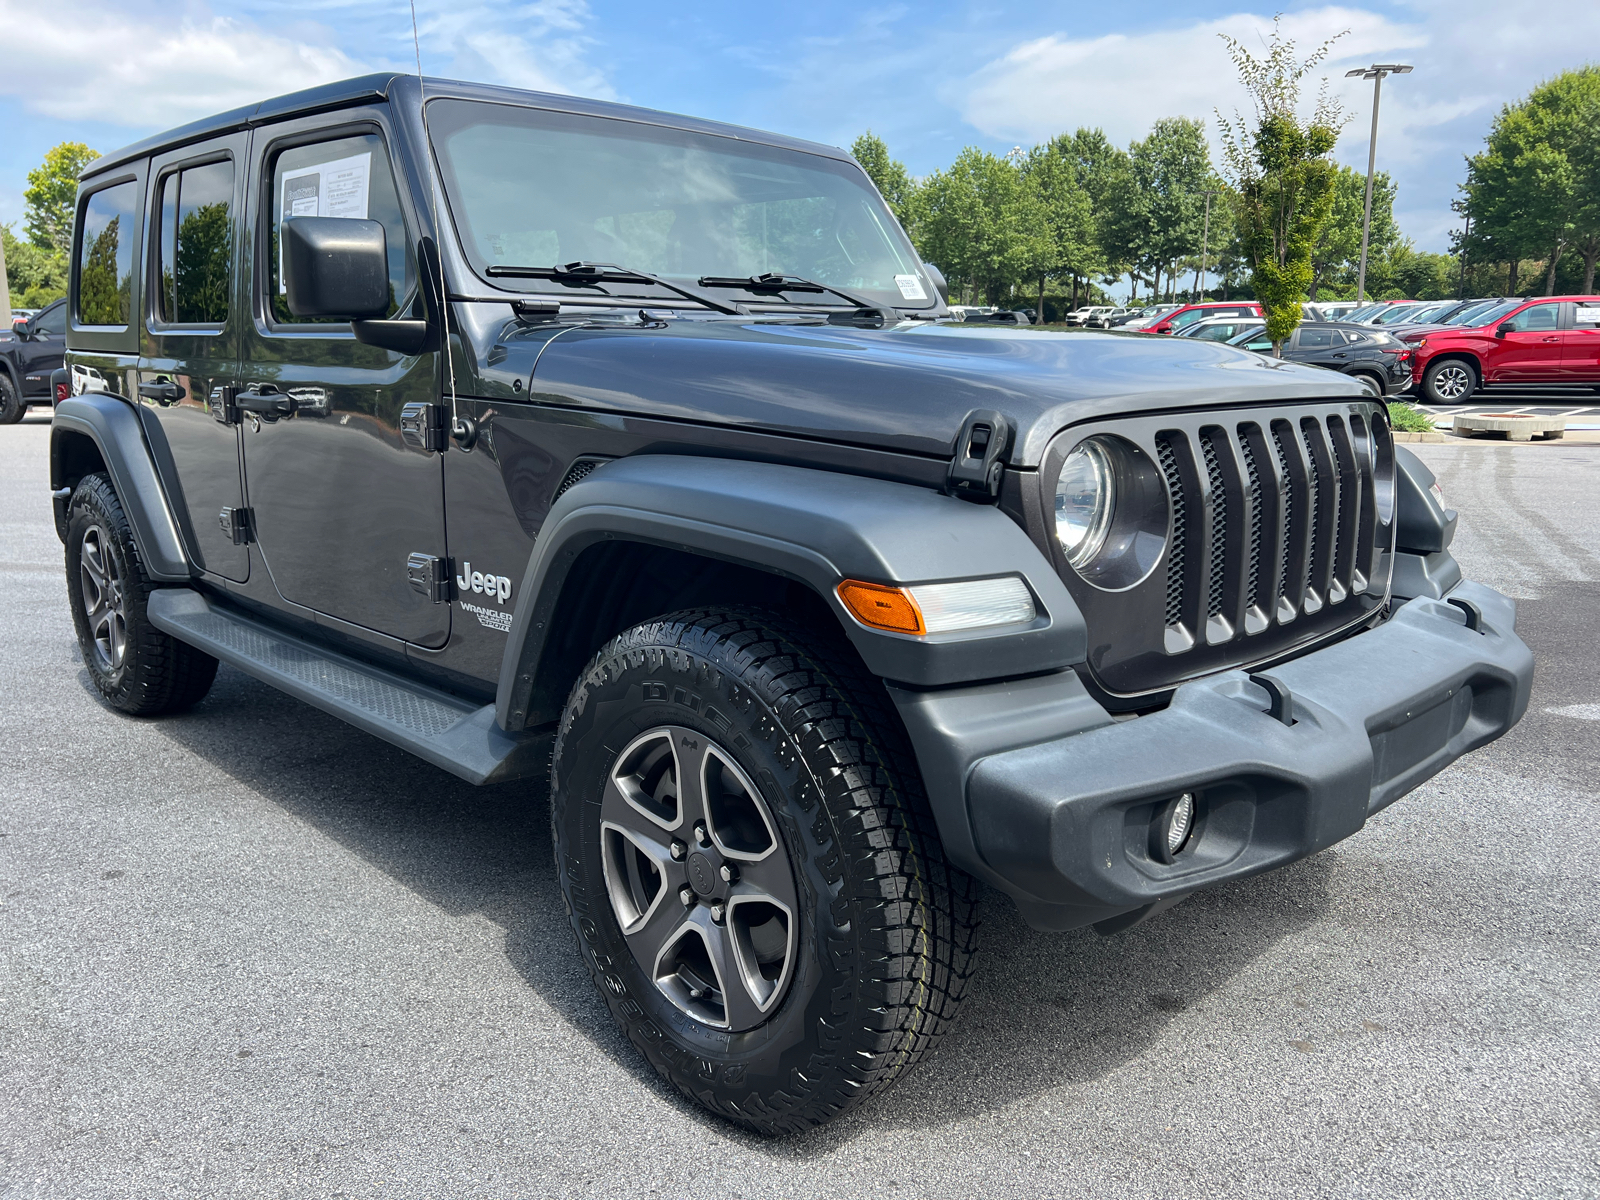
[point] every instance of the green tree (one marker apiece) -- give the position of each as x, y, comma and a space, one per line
1064, 206
50, 195
36, 277
1283, 176
982, 225
899, 190
1171, 169
1337, 253
1534, 190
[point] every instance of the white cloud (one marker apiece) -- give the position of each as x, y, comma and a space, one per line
1123, 82
141, 65
543, 45
123, 66
1471, 56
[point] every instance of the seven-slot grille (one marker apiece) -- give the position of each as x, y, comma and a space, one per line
1273, 519
1278, 522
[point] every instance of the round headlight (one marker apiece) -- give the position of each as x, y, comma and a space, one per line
1086, 493
1111, 511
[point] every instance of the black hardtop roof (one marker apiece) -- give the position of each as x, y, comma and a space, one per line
403, 88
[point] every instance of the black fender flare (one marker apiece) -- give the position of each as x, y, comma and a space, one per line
112, 424
815, 527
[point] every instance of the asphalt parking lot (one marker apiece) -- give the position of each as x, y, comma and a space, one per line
253, 951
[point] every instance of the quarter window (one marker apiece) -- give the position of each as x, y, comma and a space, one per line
196, 245
349, 177
105, 256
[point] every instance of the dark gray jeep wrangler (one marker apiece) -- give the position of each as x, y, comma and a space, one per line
559, 441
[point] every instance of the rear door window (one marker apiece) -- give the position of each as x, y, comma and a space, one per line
196, 245
106, 235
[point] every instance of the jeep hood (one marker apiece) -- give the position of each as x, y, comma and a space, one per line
905, 388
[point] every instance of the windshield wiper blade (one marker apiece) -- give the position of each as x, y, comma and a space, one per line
775, 281
593, 272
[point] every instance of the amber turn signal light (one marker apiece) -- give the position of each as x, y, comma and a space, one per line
882, 607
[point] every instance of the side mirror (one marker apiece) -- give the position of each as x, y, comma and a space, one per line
335, 267
939, 281
1502, 330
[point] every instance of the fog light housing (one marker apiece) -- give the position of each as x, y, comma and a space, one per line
1173, 827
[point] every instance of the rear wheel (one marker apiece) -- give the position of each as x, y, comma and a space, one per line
1449, 381
137, 668
751, 868
11, 405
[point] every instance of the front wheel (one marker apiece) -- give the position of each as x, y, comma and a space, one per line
1449, 381
751, 868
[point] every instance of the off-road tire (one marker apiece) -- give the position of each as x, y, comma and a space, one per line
887, 927
1448, 369
11, 406
157, 674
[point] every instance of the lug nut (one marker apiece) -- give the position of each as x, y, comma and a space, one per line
679, 850
686, 894
719, 913
729, 873
700, 834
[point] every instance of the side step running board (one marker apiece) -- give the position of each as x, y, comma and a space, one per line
447, 731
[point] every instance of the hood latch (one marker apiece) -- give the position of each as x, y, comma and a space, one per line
978, 464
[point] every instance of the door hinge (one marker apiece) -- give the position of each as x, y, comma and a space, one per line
430, 575
224, 406
978, 465
425, 427
238, 524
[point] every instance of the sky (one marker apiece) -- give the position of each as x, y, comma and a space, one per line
928, 78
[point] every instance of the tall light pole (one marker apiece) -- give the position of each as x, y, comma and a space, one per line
1205, 239
1375, 72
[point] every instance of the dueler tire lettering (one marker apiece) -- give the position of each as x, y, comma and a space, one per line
886, 927
154, 673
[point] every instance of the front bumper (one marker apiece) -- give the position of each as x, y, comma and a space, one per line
1065, 825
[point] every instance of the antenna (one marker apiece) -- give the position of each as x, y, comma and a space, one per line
433, 201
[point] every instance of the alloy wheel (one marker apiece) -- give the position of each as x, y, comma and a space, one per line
103, 600
1451, 382
698, 878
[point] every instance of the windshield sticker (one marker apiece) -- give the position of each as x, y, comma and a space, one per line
330, 189
910, 287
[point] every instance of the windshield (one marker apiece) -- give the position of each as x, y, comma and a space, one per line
1396, 314
1365, 311
1491, 314
532, 188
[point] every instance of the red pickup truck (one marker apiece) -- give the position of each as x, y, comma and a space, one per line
1555, 339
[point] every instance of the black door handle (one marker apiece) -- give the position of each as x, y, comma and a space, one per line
163, 391
264, 404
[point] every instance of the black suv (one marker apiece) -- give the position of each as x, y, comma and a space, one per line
1375, 355
30, 354
635, 455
